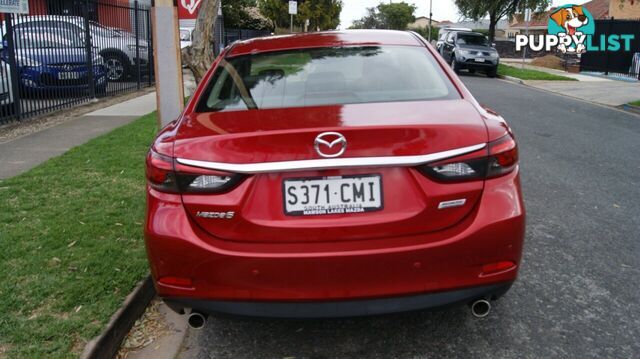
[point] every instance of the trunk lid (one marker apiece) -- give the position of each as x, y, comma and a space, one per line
410, 200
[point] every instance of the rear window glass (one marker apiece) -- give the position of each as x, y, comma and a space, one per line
326, 76
472, 40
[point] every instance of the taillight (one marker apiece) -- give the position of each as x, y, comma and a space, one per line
160, 172
166, 175
500, 158
503, 156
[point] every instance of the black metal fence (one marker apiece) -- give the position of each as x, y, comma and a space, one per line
622, 63
231, 35
76, 52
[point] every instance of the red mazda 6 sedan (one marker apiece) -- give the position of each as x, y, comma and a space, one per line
333, 174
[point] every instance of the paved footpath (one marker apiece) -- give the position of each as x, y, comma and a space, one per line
23, 153
589, 88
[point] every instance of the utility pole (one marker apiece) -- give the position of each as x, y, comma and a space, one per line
430, 16
527, 19
167, 61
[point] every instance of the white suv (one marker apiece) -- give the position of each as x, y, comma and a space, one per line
117, 47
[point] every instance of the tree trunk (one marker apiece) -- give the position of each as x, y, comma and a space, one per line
492, 27
200, 55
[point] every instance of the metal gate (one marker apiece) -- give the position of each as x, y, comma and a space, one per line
617, 62
80, 50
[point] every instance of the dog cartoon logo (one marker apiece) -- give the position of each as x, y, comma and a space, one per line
571, 23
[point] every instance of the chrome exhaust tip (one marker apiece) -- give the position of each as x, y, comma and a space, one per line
480, 308
197, 320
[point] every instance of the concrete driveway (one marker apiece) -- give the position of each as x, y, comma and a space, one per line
578, 295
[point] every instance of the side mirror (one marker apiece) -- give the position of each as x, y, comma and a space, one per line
493, 44
449, 41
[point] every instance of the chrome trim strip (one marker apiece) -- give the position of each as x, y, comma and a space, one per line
327, 163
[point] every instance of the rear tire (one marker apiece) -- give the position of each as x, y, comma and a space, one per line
493, 72
454, 65
117, 66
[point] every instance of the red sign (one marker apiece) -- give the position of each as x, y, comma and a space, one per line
188, 9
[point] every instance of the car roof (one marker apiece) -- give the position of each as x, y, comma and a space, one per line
70, 19
324, 39
456, 29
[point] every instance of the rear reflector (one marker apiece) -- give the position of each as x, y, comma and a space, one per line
177, 282
492, 268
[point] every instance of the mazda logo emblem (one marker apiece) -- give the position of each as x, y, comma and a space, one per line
326, 141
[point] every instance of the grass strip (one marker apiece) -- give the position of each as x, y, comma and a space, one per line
71, 245
526, 74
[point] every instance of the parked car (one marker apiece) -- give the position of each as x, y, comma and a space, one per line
333, 174
117, 48
470, 51
54, 63
7, 105
186, 36
442, 35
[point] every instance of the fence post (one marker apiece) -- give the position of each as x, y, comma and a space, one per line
606, 65
13, 66
88, 47
149, 49
135, 19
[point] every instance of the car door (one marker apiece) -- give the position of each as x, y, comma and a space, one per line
448, 46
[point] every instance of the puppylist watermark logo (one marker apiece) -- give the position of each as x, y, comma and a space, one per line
571, 29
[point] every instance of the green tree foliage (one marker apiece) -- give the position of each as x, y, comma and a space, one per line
237, 14
424, 31
387, 16
397, 15
277, 11
370, 21
497, 10
322, 14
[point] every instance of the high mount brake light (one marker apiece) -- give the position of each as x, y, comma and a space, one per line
500, 159
165, 175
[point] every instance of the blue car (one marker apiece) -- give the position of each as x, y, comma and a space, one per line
54, 62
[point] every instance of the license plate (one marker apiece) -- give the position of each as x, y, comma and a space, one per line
479, 59
68, 75
332, 195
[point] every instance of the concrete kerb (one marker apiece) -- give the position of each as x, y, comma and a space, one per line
107, 344
511, 79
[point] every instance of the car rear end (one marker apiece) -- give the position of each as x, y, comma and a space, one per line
345, 176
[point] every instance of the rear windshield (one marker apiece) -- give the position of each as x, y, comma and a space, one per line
472, 40
326, 76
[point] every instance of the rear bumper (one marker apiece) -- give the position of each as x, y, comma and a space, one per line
191, 268
340, 309
471, 64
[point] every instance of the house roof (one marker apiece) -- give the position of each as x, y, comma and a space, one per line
537, 20
423, 18
599, 9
